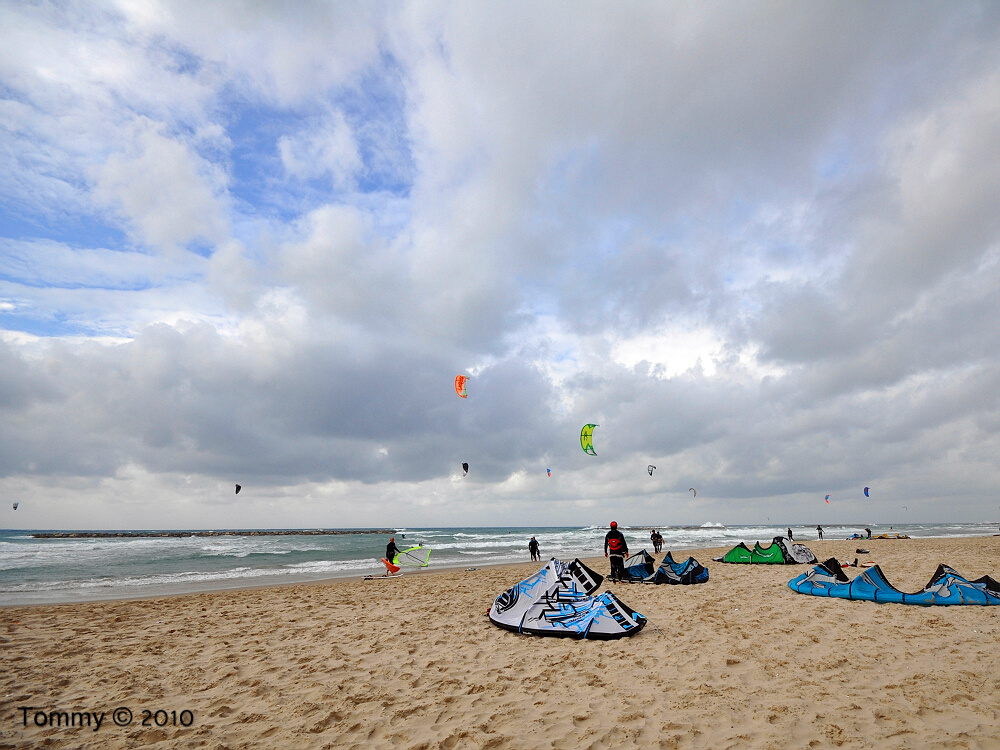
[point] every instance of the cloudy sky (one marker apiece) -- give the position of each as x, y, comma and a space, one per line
758, 244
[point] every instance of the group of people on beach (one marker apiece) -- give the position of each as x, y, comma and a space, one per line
615, 548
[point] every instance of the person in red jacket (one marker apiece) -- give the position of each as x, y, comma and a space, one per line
616, 549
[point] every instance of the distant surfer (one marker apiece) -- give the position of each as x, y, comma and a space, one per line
615, 548
789, 534
533, 549
819, 530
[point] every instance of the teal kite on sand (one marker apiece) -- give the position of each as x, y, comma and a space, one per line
946, 587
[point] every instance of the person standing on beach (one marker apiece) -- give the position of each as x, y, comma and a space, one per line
789, 534
391, 550
616, 549
869, 532
657, 540
533, 549
819, 530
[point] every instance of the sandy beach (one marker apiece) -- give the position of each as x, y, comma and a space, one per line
413, 662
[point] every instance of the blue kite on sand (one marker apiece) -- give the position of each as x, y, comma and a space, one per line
946, 587
670, 571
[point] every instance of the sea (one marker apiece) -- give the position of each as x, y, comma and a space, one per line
49, 571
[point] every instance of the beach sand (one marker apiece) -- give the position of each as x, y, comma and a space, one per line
739, 662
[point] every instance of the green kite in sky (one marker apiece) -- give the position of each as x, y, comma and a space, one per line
587, 439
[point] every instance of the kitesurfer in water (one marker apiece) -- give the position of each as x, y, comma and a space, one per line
533, 549
819, 530
616, 549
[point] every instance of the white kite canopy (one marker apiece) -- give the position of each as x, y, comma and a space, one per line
556, 601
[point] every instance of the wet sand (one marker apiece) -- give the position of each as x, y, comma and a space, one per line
413, 662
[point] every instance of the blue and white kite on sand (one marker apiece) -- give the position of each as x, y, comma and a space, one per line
557, 601
945, 587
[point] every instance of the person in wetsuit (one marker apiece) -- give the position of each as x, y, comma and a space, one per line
657, 540
391, 550
869, 532
616, 549
533, 549
819, 530
789, 534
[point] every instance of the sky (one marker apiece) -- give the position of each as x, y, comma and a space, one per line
758, 244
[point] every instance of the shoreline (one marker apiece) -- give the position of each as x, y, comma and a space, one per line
262, 582
279, 578
739, 661
208, 533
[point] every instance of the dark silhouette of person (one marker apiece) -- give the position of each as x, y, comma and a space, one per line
391, 550
616, 549
533, 549
789, 534
869, 532
819, 530
657, 540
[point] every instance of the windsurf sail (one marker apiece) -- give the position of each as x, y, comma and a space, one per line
414, 557
587, 439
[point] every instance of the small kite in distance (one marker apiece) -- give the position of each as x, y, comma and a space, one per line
827, 498
692, 489
650, 469
866, 491
460, 386
465, 469
549, 472
238, 488
15, 506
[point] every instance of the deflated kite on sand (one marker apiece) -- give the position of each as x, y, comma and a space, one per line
638, 567
945, 587
557, 601
670, 571
780, 551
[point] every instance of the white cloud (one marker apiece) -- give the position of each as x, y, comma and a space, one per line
328, 149
168, 194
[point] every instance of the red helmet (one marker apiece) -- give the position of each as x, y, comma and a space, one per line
614, 524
